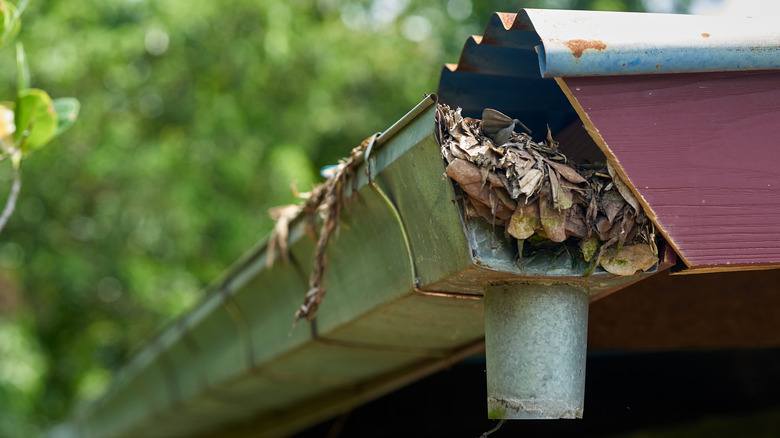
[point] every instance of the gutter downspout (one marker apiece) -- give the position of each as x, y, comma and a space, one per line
535, 349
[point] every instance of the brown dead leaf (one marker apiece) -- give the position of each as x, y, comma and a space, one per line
505, 199
575, 223
525, 221
629, 259
603, 228
467, 142
552, 175
567, 172
588, 246
623, 188
282, 216
553, 220
498, 208
612, 202
531, 181
498, 180
486, 213
469, 177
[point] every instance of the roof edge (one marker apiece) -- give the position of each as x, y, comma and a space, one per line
596, 43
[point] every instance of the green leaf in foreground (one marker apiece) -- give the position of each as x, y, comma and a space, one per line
35, 118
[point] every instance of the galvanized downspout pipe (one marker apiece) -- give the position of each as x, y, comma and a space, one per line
536, 342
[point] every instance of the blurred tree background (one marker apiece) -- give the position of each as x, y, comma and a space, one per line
196, 118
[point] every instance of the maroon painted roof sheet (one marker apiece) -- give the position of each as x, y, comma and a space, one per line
703, 151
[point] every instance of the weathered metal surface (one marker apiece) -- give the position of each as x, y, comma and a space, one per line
535, 344
418, 322
700, 150
237, 355
598, 43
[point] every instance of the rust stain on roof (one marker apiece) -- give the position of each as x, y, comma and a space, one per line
507, 19
578, 46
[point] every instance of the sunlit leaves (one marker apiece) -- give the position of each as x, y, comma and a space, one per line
36, 119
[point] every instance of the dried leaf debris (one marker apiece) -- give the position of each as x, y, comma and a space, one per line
325, 202
528, 188
537, 195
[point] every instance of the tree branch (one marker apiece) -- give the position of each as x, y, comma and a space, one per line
10, 204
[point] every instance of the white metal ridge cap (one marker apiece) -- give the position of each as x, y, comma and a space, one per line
596, 43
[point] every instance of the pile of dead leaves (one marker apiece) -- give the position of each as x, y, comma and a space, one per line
532, 191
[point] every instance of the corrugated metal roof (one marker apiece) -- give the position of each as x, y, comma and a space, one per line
594, 43
511, 66
576, 43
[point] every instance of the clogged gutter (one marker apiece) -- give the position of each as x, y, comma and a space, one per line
530, 190
540, 198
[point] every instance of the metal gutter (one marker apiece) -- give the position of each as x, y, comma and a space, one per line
400, 267
595, 43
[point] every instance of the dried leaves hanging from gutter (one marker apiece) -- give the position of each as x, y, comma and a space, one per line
539, 197
324, 202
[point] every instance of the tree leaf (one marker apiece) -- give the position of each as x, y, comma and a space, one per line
530, 181
622, 188
628, 260
553, 220
22, 69
589, 246
468, 176
612, 202
567, 172
524, 222
67, 109
604, 228
35, 118
575, 223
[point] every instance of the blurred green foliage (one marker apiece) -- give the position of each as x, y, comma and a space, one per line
196, 118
